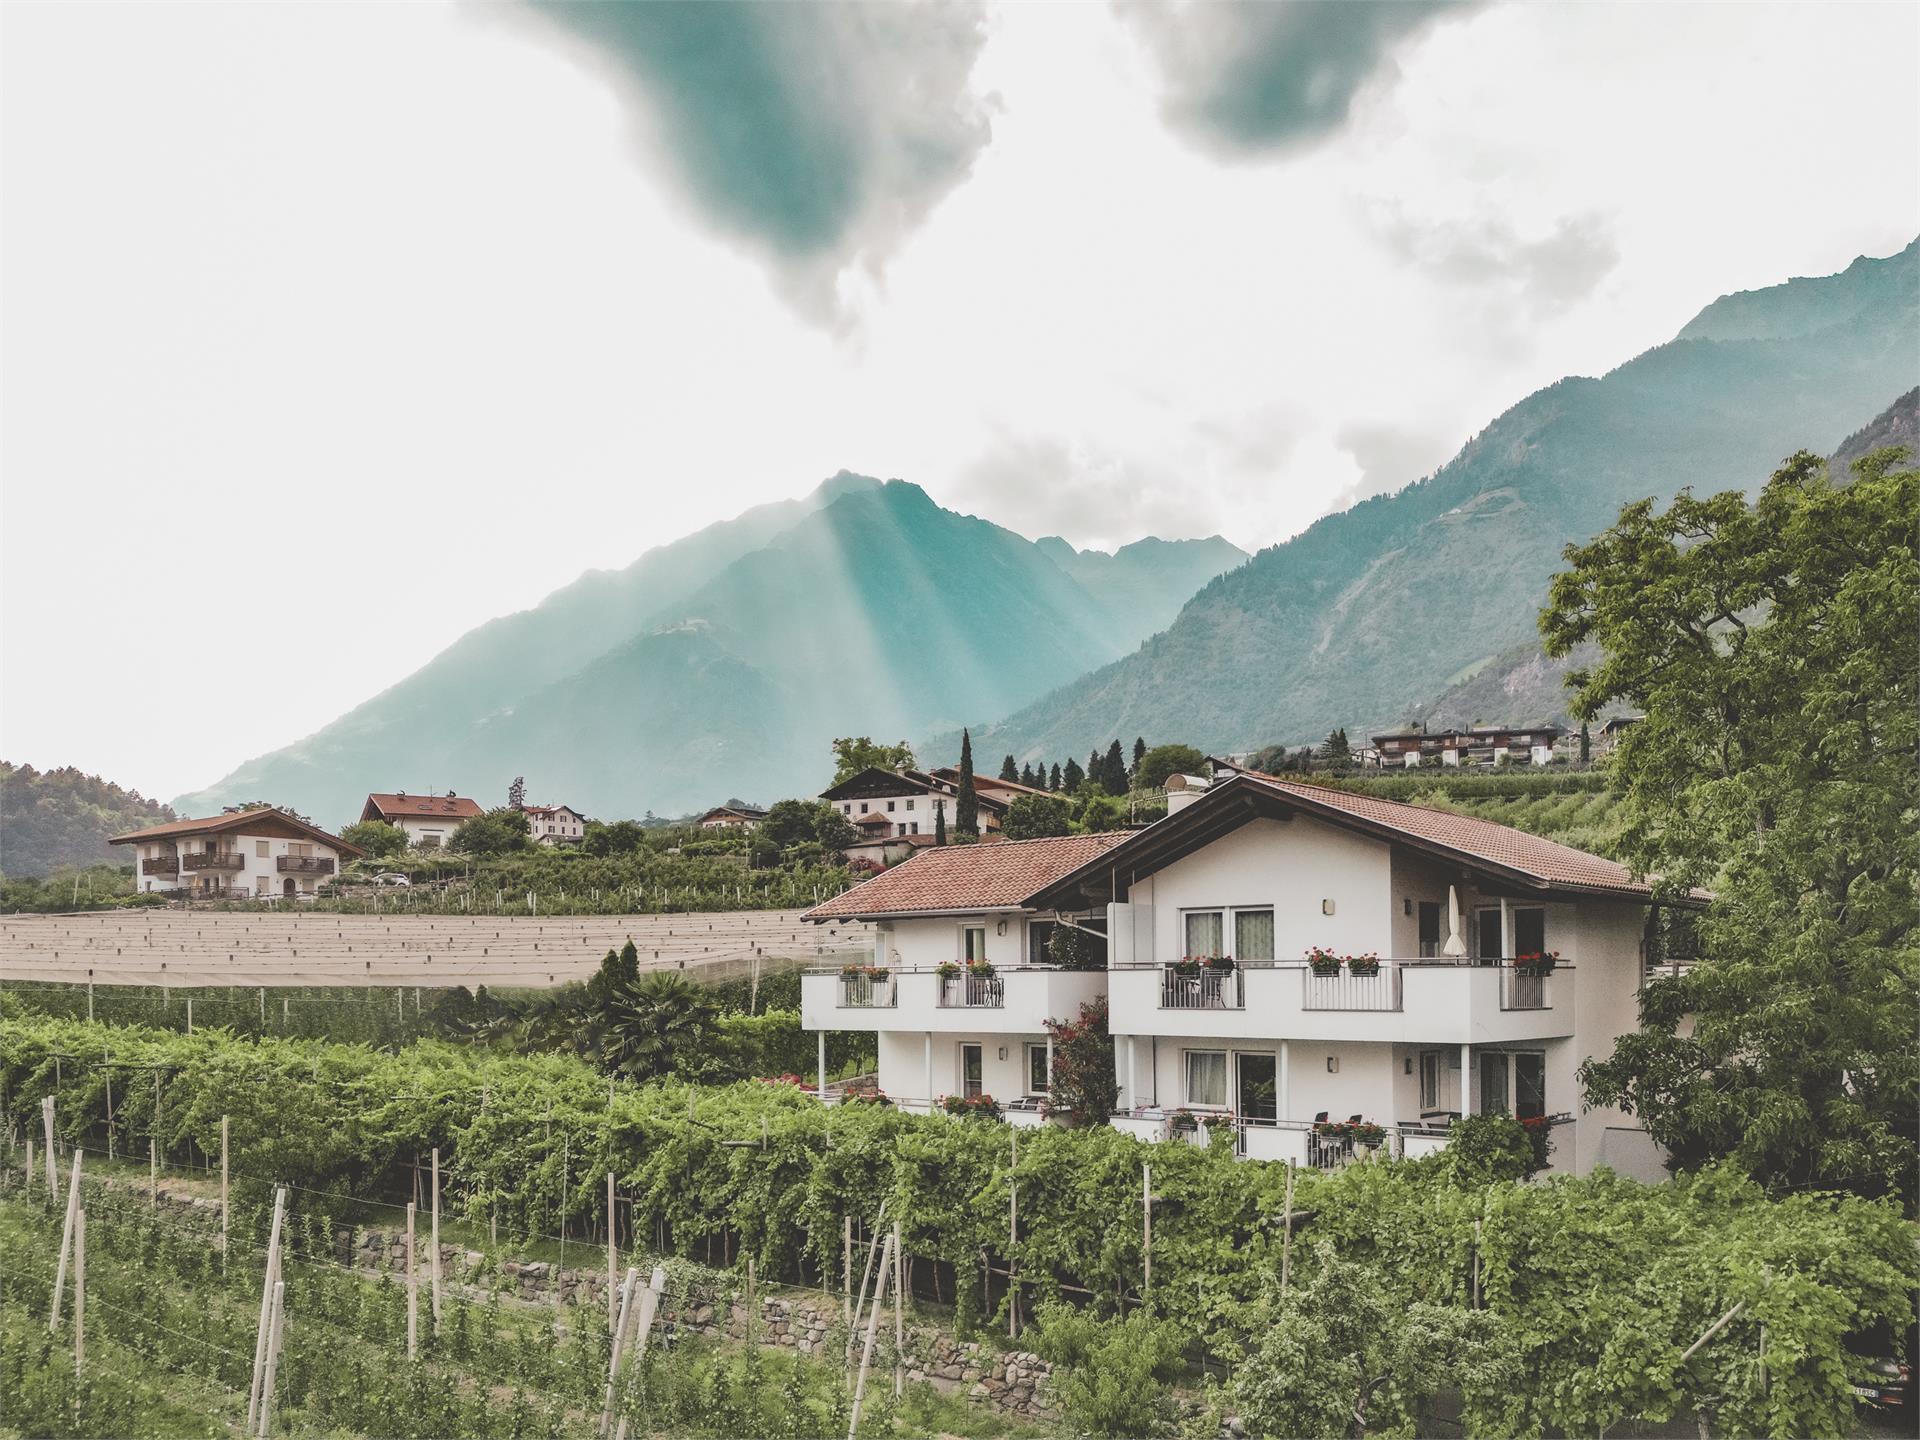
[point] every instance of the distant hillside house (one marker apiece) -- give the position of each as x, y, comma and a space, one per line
1491, 745
1608, 735
554, 824
906, 802
428, 820
732, 817
260, 853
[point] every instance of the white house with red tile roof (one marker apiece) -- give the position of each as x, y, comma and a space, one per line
428, 820
1282, 957
554, 824
256, 852
907, 802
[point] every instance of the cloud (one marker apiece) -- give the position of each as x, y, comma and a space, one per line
1548, 274
820, 135
1390, 458
1244, 78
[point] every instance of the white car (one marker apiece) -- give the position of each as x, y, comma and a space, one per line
391, 877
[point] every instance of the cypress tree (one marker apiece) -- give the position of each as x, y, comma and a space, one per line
1008, 770
1586, 744
1072, 777
1115, 775
939, 823
1054, 782
966, 807
1139, 753
1096, 769
1026, 774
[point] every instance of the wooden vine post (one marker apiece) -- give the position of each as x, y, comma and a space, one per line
1013, 1239
899, 1318
53, 1172
267, 1309
153, 1145
613, 1258
1146, 1233
873, 1324
79, 1294
846, 1273
647, 1307
225, 1220
66, 1245
1286, 1239
274, 1338
433, 1259
413, 1292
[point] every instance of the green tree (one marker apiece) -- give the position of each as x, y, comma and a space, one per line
966, 806
791, 822
622, 837
1053, 780
1026, 775
1774, 648
854, 753
1139, 752
1339, 1353
1100, 811
1336, 752
1113, 770
1586, 743
377, 837
1032, 817
833, 830
1010, 770
1082, 1083
517, 793
1072, 778
656, 1024
1114, 1376
939, 823
1164, 760
497, 832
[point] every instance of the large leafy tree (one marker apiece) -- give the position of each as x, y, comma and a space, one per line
494, 833
854, 753
654, 1024
1164, 760
1033, 817
378, 838
1773, 648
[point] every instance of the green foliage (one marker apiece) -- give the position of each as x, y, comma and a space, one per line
378, 838
1157, 764
1071, 778
1010, 769
1774, 647
98, 887
1099, 811
495, 833
792, 824
1072, 948
1116, 1372
1112, 772
1337, 752
1031, 817
622, 837
1081, 1086
55, 819
1482, 1149
966, 803
1340, 1355
854, 753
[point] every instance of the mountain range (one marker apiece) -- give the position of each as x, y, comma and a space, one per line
724, 662
1370, 614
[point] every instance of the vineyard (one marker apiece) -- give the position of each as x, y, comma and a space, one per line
1574, 807
1599, 1286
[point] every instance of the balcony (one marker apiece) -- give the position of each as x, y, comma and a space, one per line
304, 864
972, 992
213, 860
160, 865
1017, 1000
867, 992
1421, 1002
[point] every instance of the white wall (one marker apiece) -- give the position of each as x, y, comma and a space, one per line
910, 807
903, 1064
260, 875
1292, 866
1608, 979
919, 944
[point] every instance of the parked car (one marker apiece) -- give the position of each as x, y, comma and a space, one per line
1885, 1385
391, 877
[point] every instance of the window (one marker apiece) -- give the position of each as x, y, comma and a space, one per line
1039, 933
1430, 1080
1529, 1085
1529, 932
889, 807
1207, 1077
1490, 935
899, 829
262, 886
863, 807
909, 804
847, 809
1204, 933
913, 827
970, 1065
973, 942
262, 849
1253, 935
1493, 1084
1429, 929
1037, 1070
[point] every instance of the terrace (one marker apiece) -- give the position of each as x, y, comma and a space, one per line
1012, 1000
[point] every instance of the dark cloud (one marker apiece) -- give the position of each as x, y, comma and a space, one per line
1250, 77
1546, 275
819, 133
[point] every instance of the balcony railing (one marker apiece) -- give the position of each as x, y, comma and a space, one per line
867, 992
160, 865
305, 864
1208, 990
972, 992
213, 860
1344, 990
1520, 990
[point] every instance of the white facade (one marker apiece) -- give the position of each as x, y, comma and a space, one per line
554, 824
427, 832
910, 812
1268, 1045
236, 864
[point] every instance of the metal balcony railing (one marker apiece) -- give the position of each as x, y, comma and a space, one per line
867, 992
304, 864
1522, 991
970, 992
1344, 990
1208, 990
160, 865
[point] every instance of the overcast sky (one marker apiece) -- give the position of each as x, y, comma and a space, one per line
327, 332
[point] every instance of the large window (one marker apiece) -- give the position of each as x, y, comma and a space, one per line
1429, 1080
973, 942
1205, 932
970, 1070
1039, 935
1253, 935
1493, 1084
1037, 1078
1429, 929
1529, 931
1207, 1077
1529, 1085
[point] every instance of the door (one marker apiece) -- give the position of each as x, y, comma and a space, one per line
1529, 1086
1429, 929
973, 942
1493, 1084
1259, 1087
1429, 1080
286, 887
1490, 936
970, 1071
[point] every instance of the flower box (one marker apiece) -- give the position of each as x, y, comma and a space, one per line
1183, 1122
1221, 964
946, 969
980, 1106
1364, 967
1323, 963
980, 968
1538, 964
1186, 967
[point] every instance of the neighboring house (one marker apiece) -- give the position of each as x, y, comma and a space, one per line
554, 824
963, 1033
1264, 870
259, 853
428, 820
1608, 735
732, 817
1489, 745
909, 800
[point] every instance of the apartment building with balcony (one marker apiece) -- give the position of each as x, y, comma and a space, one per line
957, 986
1474, 746
257, 853
1284, 957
